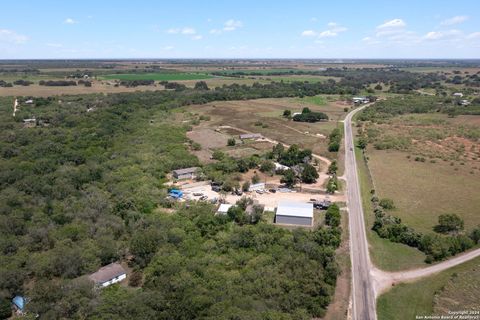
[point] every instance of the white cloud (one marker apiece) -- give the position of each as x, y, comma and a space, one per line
313, 19
309, 33
168, 48
232, 25
333, 29
185, 31
327, 34
11, 36
215, 31
197, 37
474, 35
444, 35
70, 21
392, 24
454, 20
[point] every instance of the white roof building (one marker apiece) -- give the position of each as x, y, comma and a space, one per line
223, 209
294, 213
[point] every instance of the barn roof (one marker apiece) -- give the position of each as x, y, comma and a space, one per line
107, 273
294, 209
185, 170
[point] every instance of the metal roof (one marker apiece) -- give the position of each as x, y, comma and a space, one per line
224, 208
185, 171
107, 273
19, 301
294, 209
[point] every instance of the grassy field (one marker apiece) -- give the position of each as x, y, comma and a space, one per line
385, 254
157, 76
423, 190
265, 116
456, 288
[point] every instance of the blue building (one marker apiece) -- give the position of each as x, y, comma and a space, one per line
19, 303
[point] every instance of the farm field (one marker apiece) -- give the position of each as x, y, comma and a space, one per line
46, 91
423, 190
157, 76
265, 116
385, 254
455, 289
429, 164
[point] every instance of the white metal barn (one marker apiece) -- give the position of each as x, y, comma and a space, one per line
294, 213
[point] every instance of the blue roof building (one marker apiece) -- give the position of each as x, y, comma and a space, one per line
19, 302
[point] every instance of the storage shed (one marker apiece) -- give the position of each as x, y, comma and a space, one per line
109, 274
187, 173
294, 213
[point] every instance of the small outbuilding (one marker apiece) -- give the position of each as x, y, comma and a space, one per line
187, 173
294, 213
108, 275
458, 94
19, 303
256, 186
223, 208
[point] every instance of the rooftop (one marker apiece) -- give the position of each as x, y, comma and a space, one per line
295, 209
107, 273
224, 208
185, 170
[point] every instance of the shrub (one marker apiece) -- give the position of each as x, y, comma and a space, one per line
387, 204
231, 142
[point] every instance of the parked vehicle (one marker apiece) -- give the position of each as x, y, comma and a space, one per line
259, 191
203, 197
273, 190
197, 194
216, 188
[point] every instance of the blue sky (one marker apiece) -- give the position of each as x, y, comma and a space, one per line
240, 29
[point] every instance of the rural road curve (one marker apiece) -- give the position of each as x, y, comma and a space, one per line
363, 291
385, 280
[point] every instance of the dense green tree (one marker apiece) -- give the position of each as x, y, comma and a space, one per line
309, 174
449, 223
289, 178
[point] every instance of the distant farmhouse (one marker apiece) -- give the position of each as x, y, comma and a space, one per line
458, 94
108, 275
187, 173
294, 213
358, 100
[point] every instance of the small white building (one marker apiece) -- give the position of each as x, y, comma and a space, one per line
30, 101
360, 100
464, 102
257, 186
223, 208
108, 275
187, 173
294, 213
458, 94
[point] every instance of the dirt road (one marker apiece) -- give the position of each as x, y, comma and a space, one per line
385, 280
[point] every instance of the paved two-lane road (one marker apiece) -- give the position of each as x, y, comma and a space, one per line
363, 294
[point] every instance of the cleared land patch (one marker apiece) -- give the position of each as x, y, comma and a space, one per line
157, 76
